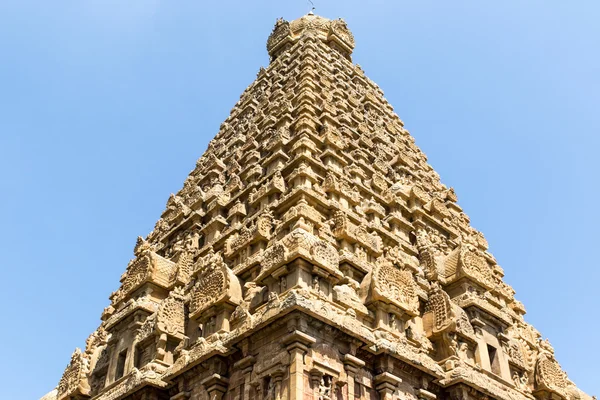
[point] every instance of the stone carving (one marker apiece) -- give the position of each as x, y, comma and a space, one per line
175, 208
147, 267
440, 310
516, 354
347, 294
274, 256
216, 283
343, 228
74, 379
324, 254
548, 374
359, 269
242, 312
475, 265
389, 283
171, 314
325, 387
463, 324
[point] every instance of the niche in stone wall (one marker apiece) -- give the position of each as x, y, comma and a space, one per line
144, 353
494, 359
120, 371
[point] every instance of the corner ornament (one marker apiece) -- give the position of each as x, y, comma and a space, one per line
549, 376
74, 380
216, 284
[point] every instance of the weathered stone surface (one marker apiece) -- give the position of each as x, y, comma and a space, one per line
313, 253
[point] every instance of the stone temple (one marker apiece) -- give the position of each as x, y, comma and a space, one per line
313, 253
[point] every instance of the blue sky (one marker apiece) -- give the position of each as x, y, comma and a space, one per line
105, 105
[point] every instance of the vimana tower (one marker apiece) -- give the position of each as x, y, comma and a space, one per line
313, 254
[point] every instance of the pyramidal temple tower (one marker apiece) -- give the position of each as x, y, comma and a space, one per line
313, 253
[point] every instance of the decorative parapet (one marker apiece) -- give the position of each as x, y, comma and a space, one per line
132, 305
261, 229
300, 243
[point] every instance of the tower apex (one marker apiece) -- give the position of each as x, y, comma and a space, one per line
334, 33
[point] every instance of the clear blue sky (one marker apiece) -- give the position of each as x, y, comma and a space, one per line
105, 105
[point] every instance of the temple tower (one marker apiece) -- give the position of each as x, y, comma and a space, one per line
313, 253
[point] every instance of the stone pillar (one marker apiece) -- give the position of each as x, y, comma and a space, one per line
246, 365
315, 381
112, 345
352, 365
481, 354
297, 344
277, 378
386, 384
503, 354
216, 386
223, 314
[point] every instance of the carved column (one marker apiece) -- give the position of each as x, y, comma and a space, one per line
246, 365
386, 384
112, 345
352, 365
481, 355
503, 354
315, 380
297, 344
277, 378
216, 386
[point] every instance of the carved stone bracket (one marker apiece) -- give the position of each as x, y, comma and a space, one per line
216, 386
423, 394
386, 384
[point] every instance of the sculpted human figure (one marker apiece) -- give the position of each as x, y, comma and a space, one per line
315, 283
393, 321
191, 241
282, 284
463, 351
179, 244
